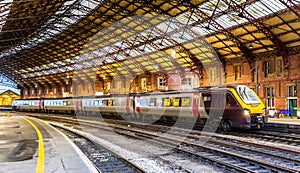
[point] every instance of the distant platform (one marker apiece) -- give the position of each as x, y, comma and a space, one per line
31, 145
286, 120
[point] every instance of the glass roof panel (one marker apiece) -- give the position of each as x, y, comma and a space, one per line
68, 7
5, 9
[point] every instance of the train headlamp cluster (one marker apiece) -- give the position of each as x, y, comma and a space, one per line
247, 112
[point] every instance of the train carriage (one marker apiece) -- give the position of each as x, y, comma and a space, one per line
114, 104
63, 105
170, 104
230, 106
34, 105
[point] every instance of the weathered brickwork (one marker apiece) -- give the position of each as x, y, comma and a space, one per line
268, 73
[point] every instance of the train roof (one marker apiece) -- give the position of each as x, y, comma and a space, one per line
200, 89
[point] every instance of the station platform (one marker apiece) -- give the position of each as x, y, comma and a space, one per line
285, 120
30, 145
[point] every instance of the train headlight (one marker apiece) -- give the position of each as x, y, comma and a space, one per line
246, 112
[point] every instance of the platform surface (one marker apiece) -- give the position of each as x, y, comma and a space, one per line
287, 120
30, 145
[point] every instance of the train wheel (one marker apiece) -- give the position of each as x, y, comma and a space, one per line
226, 126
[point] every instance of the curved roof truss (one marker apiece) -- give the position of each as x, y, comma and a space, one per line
44, 42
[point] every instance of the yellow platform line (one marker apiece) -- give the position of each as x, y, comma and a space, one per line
41, 158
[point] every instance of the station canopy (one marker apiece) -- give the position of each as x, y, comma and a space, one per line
46, 43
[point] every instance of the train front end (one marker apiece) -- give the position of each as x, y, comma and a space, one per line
254, 110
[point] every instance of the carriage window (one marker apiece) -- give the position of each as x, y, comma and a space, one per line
66, 103
110, 103
176, 102
185, 101
167, 102
144, 101
96, 102
105, 102
152, 102
206, 98
120, 102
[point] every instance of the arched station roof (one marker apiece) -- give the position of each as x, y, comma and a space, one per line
45, 42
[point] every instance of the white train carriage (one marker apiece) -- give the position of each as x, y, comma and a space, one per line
63, 105
34, 105
113, 105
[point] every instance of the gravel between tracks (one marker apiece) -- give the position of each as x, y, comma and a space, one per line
148, 156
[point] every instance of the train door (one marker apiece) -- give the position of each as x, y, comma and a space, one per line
196, 101
128, 104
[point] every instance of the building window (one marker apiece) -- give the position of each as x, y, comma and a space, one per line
292, 91
47, 91
279, 67
40, 91
270, 97
54, 90
268, 68
237, 72
62, 89
26, 92
89, 89
161, 82
212, 74
144, 83
32, 92
188, 81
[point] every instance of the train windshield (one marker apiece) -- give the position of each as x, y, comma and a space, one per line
247, 95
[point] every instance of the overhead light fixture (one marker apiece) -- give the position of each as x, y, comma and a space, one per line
250, 46
173, 53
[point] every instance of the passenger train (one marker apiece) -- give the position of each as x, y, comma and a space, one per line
237, 106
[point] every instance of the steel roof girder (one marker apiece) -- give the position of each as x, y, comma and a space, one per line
282, 48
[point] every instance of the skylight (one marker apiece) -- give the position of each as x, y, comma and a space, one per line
76, 13
4, 11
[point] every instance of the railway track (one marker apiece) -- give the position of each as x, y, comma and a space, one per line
237, 154
105, 160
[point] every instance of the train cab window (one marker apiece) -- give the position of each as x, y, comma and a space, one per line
185, 101
152, 102
247, 95
176, 102
167, 102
